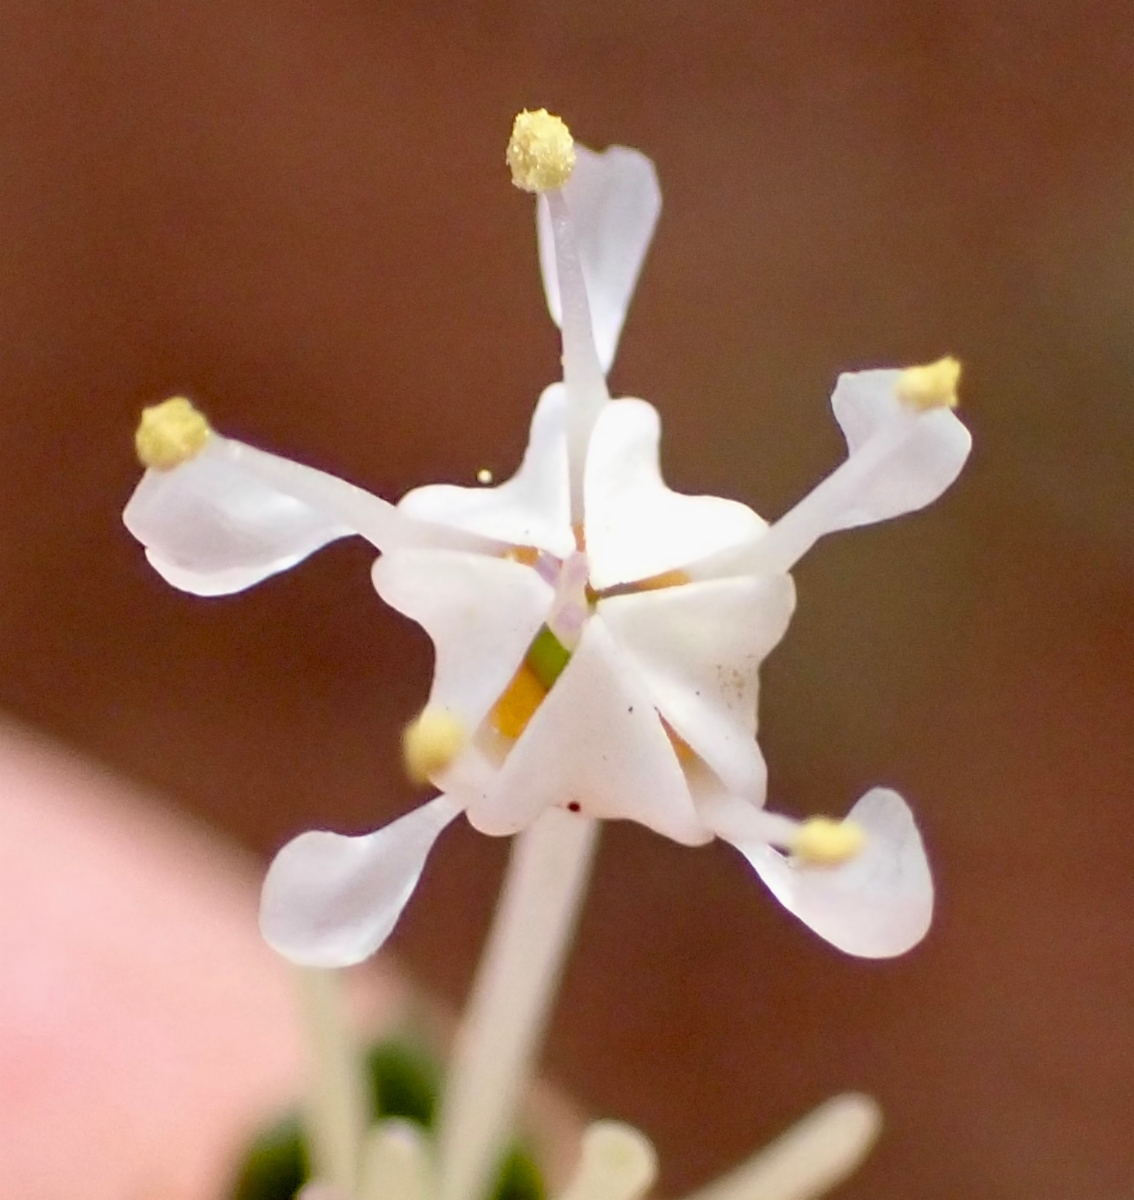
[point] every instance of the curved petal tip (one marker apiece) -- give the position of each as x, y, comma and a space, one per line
879, 904
331, 901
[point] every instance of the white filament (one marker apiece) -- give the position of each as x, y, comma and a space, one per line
582, 372
380, 522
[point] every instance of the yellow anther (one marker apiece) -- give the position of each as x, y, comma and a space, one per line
931, 386
170, 433
541, 152
528, 555
667, 579
484, 476
430, 743
822, 842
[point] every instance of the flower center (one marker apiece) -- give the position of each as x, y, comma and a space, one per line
550, 651
543, 664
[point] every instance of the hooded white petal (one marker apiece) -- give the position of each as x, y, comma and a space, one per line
233, 515
531, 508
904, 466
636, 526
614, 201
597, 741
698, 649
331, 900
900, 459
210, 526
481, 614
863, 402
875, 906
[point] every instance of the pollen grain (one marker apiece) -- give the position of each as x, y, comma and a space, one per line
170, 433
931, 386
541, 152
822, 842
431, 742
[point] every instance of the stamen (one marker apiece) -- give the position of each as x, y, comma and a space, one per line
582, 372
541, 152
653, 583
931, 386
430, 743
822, 842
484, 476
170, 433
527, 555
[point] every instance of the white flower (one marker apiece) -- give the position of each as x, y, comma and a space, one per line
598, 636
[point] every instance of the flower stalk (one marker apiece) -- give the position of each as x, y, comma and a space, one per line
511, 998
336, 1113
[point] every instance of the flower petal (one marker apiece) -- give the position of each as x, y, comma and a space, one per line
211, 527
635, 525
864, 401
481, 613
875, 906
531, 508
698, 649
614, 200
900, 459
595, 741
233, 515
906, 465
331, 900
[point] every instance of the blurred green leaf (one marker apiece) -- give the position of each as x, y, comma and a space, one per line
276, 1166
405, 1081
520, 1178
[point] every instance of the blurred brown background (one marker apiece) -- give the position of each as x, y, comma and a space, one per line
297, 213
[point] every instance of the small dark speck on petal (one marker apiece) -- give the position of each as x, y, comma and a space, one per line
574, 806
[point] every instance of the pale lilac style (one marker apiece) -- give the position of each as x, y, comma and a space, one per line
665, 604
